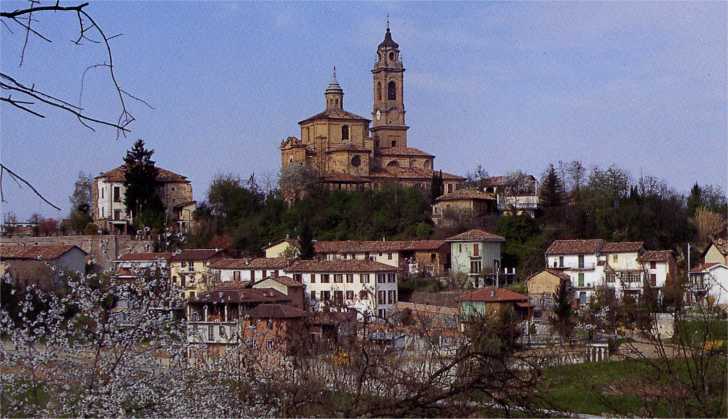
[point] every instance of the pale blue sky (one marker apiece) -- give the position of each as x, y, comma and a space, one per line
506, 85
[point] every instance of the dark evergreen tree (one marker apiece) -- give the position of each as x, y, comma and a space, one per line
563, 319
305, 241
437, 187
552, 189
142, 196
695, 200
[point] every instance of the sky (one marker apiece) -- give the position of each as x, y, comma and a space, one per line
507, 85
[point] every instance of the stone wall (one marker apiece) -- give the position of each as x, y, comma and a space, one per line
103, 249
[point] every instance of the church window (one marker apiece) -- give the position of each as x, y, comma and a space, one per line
379, 90
394, 143
344, 132
391, 56
356, 161
392, 91
393, 163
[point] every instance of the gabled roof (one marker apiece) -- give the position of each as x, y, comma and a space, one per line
373, 246
349, 265
705, 267
553, 272
165, 176
334, 114
476, 235
276, 311
43, 252
656, 256
574, 247
466, 194
284, 280
196, 254
622, 247
145, 256
501, 180
244, 263
490, 295
403, 151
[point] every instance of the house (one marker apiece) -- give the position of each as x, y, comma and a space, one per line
44, 266
248, 270
623, 271
189, 269
708, 283
717, 252
279, 327
491, 304
364, 286
579, 260
286, 286
463, 204
108, 193
406, 256
543, 287
286, 248
477, 254
130, 264
426, 325
515, 195
659, 267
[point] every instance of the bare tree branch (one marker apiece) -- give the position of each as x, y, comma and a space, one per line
19, 178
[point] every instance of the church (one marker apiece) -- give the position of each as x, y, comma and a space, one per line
348, 153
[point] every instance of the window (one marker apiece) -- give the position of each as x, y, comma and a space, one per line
183, 263
236, 275
391, 91
394, 144
475, 266
391, 277
653, 265
391, 297
476, 250
382, 313
379, 90
326, 295
313, 278
615, 258
364, 278
324, 278
582, 298
653, 280
210, 333
460, 247
363, 295
581, 279
389, 256
298, 277
117, 215
338, 278
449, 188
349, 278
356, 161
313, 295
561, 261
380, 278
339, 297
344, 132
252, 275
102, 193
350, 295
581, 261
381, 297
269, 344
117, 194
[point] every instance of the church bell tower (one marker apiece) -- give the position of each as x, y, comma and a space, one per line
388, 126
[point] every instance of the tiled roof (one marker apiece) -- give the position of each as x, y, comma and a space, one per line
622, 247
276, 311
256, 263
704, 267
721, 245
166, 176
292, 242
403, 151
287, 281
428, 309
348, 265
554, 272
196, 254
333, 114
232, 293
493, 295
466, 194
501, 180
372, 246
45, 252
144, 256
476, 235
656, 256
574, 247
450, 176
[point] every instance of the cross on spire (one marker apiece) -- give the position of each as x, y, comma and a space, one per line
387, 21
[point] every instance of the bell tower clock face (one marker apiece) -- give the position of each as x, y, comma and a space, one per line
379, 114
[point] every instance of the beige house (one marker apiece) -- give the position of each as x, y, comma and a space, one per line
462, 205
717, 252
349, 154
190, 269
282, 249
111, 214
543, 286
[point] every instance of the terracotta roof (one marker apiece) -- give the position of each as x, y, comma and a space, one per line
427, 308
500, 180
343, 178
656, 256
146, 256
622, 247
704, 267
444, 298
232, 293
166, 176
466, 194
721, 245
574, 247
476, 235
333, 114
196, 254
450, 176
256, 263
403, 151
286, 280
348, 265
276, 311
554, 272
292, 242
44, 252
493, 295
373, 246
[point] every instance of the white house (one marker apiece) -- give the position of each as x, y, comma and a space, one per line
130, 264
579, 260
708, 282
248, 270
368, 287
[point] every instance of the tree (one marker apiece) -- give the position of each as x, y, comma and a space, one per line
306, 242
48, 227
708, 224
142, 196
81, 203
563, 318
437, 186
552, 189
695, 199
476, 178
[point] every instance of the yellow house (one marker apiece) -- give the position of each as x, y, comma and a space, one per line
188, 269
543, 285
462, 204
286, 248
717, 252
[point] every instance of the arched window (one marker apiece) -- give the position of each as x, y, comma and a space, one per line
379, 90
344, 132
392, 91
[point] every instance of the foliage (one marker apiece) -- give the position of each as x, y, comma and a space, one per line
563, 318
437, 186
552, 189
142, 194
306, 242
91, 229
81, 203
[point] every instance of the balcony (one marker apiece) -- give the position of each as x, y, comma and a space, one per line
213, 332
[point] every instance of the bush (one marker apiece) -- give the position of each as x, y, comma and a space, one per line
91, 229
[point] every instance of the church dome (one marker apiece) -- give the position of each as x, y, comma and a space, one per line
388, 41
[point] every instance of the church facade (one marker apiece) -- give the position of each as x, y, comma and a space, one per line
351, 152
